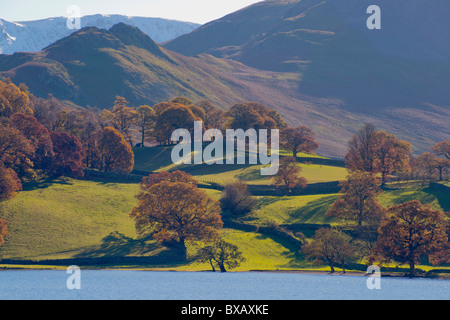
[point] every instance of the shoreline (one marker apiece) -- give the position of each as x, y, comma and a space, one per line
349, 273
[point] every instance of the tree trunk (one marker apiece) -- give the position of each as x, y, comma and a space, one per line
222, 267
412, 268
183, 249
212, 266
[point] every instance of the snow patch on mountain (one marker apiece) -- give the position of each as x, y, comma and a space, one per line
31, 36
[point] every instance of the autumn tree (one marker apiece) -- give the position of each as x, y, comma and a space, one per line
361, 153
391, 154
249, 116
110, 152
175, 117
331, 247
145, 121
358, 205
215, 117
288, 174
236, 200
68, 155
299, 139
441, 166
16, 151
14, 99
222, 253
162, 106
427, 164
173, 209
357, 202
198, 111
48, 112
122, 118
410, 231
377, 152
9, 186
3, 231
442, 149
39, 138
89, 122
10, 183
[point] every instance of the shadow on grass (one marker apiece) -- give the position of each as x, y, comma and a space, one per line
442, 197
313, 212
424, 195
117, 244
291, 253
45, 183
252, 175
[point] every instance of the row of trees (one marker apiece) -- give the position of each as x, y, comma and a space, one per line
382, 153
432, 165
404, 233
40, 139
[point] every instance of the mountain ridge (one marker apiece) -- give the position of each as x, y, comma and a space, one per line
33, 36
92, 66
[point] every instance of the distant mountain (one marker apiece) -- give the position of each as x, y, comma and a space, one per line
31, 36
407, 62
399, 75
92, 66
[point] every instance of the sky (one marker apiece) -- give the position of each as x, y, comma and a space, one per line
199, 11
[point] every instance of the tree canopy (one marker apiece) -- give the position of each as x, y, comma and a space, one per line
173, 209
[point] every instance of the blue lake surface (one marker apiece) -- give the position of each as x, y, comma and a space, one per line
151, 285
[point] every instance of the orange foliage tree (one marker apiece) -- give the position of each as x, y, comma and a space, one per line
377, 152
300, 139
39, 137
177, 116
288, 174
68, 155
442, 149
175, 210
409, 232
16, 151
9, 186
122, 118
108, 151
357, 201
14, 99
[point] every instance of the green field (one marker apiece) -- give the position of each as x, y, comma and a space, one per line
68, 218
158, 159
65, 216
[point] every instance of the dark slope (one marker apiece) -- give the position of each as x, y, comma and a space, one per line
398, 77
406, 63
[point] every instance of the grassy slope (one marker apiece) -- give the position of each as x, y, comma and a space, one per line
66, 216
75, 218
158, 159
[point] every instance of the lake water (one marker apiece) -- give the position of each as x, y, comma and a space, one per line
143, 285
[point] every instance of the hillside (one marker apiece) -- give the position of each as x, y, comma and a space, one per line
92, 66
329, 44
31, 36
90, 220
396, 77
343, 82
